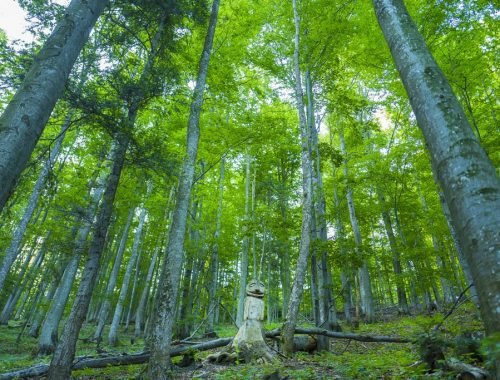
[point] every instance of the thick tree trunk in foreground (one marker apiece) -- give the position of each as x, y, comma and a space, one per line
168, 286
25, 117
305, 237
60, 366
468, 178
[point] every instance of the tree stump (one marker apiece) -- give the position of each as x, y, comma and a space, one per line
248, 345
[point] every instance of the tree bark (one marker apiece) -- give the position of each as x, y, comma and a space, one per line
168, 286
246, 247
28, 278
214, 258
139, 315
364, 275
113, 330
49, 331
25, 117
396, 257
305, 237
14, 247
467, 177
60, 366
106, 306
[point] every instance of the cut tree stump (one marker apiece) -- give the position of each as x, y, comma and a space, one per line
249, 345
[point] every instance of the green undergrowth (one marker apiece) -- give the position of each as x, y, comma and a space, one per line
346, 359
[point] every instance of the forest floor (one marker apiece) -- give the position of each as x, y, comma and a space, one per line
346, 359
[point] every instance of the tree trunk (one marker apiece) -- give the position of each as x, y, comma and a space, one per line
42, 307
139, 315
364, 275
60, 366
214, 258
396, 259
168, 285
25, 117
467, 177
113, 330
137, 273
13, 249
111, 280
49, 330
246, 246
28, 278
305, 239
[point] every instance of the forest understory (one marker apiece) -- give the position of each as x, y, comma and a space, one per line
460, 335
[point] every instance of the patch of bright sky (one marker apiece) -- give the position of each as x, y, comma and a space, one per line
12, 20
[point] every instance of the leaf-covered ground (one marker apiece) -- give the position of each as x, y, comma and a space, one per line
346, 360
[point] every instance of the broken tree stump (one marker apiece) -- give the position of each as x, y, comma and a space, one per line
249, 345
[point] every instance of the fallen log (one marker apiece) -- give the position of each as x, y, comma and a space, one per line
114, 360
466, 371
340, 335
143, 357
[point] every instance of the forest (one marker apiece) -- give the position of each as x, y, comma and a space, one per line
250, 189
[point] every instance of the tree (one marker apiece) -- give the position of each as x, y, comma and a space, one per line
305, 237
159, 340
467, 176
25, 117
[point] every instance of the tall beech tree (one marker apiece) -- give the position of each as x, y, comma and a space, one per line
305, 236
470, 185
25, 117
168, 286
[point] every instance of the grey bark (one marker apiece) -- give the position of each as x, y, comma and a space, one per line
49, 330
113, 276
466, 175
60, 366
396, 256
364, 275
31, 272
25, 117
134, 287
305, 237
40, 313
168, 286
15, 244
244, 252
214, 258
113, 331
459, 251
141, 307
